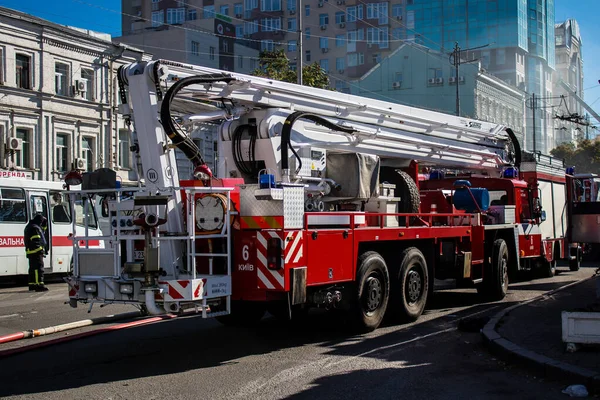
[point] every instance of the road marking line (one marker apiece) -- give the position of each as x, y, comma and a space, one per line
9, 316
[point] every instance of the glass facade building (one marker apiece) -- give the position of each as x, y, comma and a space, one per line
512, 39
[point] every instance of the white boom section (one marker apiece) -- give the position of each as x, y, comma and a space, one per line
159, 167
386, 129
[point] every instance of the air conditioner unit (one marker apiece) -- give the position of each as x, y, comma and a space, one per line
80, 163
238, 15
323, 27
14, 143
342, 25
292, 12
324, 50
340, 2
320, 4
81, 85
439, 80
399, 17
452, 79
461, 78
370, 45
340, 71
431, 80
396, 84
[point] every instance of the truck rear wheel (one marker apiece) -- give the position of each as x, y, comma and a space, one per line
575, 264
372, 292
411, 287
495, 278
549, 268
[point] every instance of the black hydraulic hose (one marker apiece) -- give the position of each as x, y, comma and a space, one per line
516, 145
286, 134
180, 139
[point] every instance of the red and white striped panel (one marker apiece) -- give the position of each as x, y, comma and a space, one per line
293, 247
292, 253
178, 290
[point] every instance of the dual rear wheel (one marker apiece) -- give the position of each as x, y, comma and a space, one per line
404, 292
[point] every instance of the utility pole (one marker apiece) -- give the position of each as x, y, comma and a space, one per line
299, 63
456, 62
533, 107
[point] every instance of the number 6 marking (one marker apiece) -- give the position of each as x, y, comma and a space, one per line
245, 254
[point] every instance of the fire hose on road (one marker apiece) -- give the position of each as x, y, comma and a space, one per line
74, 325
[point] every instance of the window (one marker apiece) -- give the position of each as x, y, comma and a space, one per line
23, 71
192, 15
397, 10
155, 5
267, 45
195, 48
324, 65
209, 12
87, 77
240, 62
307, 33
340, 63
435, 73
323, 19
291, 5
61, 79
23, 156
250, 27
12, 205
59, 208
292, 45
292, 24
175, 15
351, 14
307, 55
323, 42
340, 40
340, 17
62, 152
211, 53
238, 9
270, 5
239, 31
124, 152
224, 9
80, 217
88, 148
307, 10
1, 65
270, 24
158, 18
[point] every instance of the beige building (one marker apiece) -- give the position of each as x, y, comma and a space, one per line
58, 99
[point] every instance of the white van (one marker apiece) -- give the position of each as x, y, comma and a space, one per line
20, 200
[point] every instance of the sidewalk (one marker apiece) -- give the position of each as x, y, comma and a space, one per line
531, 333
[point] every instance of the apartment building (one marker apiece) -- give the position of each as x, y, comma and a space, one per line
58, 99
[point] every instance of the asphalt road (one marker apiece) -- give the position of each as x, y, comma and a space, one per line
190, 358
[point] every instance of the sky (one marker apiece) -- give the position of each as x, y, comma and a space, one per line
104, 16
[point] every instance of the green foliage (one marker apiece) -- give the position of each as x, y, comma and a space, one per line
276, 65
585, 156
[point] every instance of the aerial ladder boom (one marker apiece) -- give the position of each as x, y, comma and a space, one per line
329, 120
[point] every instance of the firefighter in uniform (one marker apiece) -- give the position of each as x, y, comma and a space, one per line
35, 248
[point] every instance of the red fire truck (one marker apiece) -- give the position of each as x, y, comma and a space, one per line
316, 202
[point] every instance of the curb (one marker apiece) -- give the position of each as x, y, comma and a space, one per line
545, 365
48, 343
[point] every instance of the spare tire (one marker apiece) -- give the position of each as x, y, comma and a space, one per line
406, 189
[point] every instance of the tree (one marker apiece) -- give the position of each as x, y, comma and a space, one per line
585, 156
276, 65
